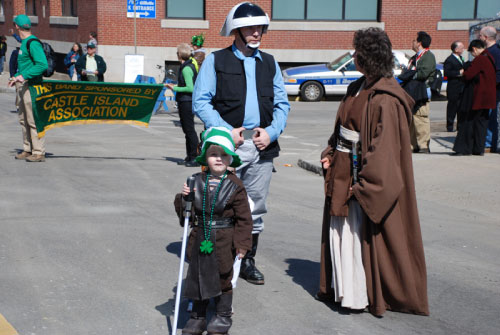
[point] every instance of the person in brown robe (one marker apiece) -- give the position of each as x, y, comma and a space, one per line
222, 229
391, 242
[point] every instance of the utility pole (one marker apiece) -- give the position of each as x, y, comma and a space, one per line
135, 28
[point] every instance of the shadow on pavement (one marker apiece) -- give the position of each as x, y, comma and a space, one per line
167, 309
50, 155
306, 273
174, 248
444, 141
174, 159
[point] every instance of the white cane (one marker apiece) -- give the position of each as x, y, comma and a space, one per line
187, 215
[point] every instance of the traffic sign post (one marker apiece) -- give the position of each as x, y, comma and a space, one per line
144, 9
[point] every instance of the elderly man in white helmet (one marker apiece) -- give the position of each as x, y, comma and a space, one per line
241, 88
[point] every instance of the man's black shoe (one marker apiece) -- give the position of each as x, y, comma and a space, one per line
250, 273
192, 163
183, 162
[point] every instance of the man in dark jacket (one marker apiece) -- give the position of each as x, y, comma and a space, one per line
91, 67
425, 65
453, 69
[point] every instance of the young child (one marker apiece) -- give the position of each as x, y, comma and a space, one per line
221, 228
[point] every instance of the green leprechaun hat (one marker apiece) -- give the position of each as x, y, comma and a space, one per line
198, 40
223, 138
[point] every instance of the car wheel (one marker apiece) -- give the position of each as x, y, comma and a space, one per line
311, 91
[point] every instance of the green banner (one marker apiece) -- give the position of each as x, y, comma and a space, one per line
63, 103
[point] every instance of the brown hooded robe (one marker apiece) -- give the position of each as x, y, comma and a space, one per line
392, 248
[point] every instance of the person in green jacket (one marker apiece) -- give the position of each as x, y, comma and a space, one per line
31, 65
183, 96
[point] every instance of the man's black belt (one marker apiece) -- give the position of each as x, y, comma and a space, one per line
217, 223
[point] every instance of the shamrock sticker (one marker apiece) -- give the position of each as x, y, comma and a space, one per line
207, 247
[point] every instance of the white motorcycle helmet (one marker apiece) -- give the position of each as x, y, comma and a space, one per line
245, 14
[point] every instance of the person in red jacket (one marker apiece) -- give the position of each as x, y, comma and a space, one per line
471, 136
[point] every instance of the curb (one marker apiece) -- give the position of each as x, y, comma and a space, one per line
315, 168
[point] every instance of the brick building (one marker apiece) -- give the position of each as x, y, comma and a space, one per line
301, 31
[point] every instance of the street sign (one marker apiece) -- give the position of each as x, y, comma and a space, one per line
144, 9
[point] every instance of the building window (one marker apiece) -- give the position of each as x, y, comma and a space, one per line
329, 10
68, 7
185, 9
1, 7
469, 9
30, 8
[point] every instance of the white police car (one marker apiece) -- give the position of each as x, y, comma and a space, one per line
312, 82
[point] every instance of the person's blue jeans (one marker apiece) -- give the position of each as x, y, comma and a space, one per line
2, 61
492, 132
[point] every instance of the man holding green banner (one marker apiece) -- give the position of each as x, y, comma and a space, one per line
49, 104
31, 65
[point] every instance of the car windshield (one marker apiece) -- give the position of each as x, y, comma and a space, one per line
337, 63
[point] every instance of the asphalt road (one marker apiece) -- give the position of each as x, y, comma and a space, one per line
89, 241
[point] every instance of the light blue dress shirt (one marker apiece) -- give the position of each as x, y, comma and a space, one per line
205, 89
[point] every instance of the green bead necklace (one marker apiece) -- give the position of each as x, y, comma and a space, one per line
207, 246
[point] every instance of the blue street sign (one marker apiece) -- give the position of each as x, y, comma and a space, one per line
144, 9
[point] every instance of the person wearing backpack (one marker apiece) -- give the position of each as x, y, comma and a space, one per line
32, 63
